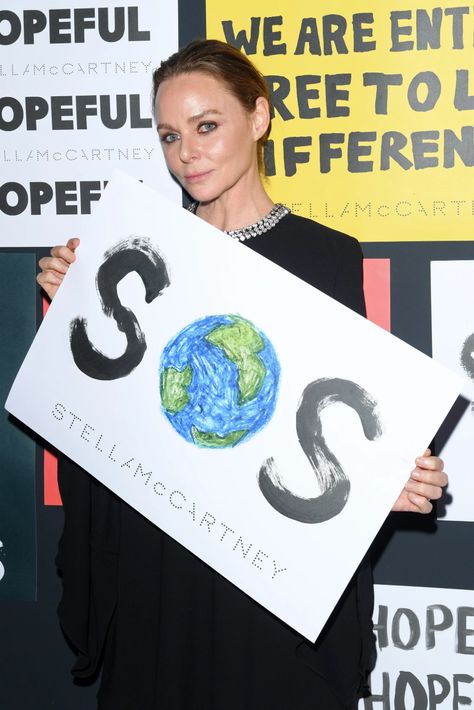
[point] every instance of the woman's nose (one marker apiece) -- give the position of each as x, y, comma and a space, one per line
188, 149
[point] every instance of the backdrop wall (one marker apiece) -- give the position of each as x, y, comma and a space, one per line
372, 135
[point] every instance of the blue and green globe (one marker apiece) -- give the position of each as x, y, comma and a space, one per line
219, 381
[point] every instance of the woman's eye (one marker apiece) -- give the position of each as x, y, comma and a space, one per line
206, 127
169, 138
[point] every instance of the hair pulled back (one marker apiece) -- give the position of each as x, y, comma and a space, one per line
226, 64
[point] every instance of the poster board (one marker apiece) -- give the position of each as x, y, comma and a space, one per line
242, 498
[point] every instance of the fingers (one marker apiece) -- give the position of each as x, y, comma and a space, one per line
436, 477
49, 277
54, 267
426, 483
425, 490
66, 252
73, 243
54, 264
433, 463
49, 282
429, 471
419, 504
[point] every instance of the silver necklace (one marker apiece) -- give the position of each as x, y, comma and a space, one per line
277, 212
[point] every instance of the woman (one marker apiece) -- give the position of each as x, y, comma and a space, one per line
174, 634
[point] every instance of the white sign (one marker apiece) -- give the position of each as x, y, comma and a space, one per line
76, 105
425, 649
452, 297
189, 412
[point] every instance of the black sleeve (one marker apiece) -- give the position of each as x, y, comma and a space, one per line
348, 287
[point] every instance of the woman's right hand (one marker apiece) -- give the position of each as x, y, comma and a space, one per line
54, 267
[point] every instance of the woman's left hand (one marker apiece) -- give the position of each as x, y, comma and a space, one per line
424, 485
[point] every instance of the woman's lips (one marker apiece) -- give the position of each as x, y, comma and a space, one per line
195, 177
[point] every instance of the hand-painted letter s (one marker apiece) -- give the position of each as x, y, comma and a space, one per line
332, 480
135, 254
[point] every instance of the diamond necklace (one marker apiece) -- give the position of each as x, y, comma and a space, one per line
277, 212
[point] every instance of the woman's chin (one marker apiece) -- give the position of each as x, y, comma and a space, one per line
201, 194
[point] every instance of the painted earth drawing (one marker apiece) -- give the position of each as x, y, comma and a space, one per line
219, 381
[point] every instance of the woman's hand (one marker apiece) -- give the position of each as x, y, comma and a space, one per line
424, 485
54, 267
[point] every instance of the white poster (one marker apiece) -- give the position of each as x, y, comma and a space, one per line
452, 297
425, 649
75, 104
269, 435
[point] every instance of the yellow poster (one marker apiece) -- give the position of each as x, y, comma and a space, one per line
373, 111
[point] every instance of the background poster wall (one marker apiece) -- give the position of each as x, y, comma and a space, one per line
75, 105
422, 552
424, 643
373, 111
452, 291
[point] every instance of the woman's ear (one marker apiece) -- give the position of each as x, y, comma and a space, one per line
260, 117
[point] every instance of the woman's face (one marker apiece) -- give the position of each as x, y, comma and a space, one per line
208, 139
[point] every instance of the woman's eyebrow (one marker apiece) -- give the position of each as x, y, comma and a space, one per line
192, 119
207, 112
